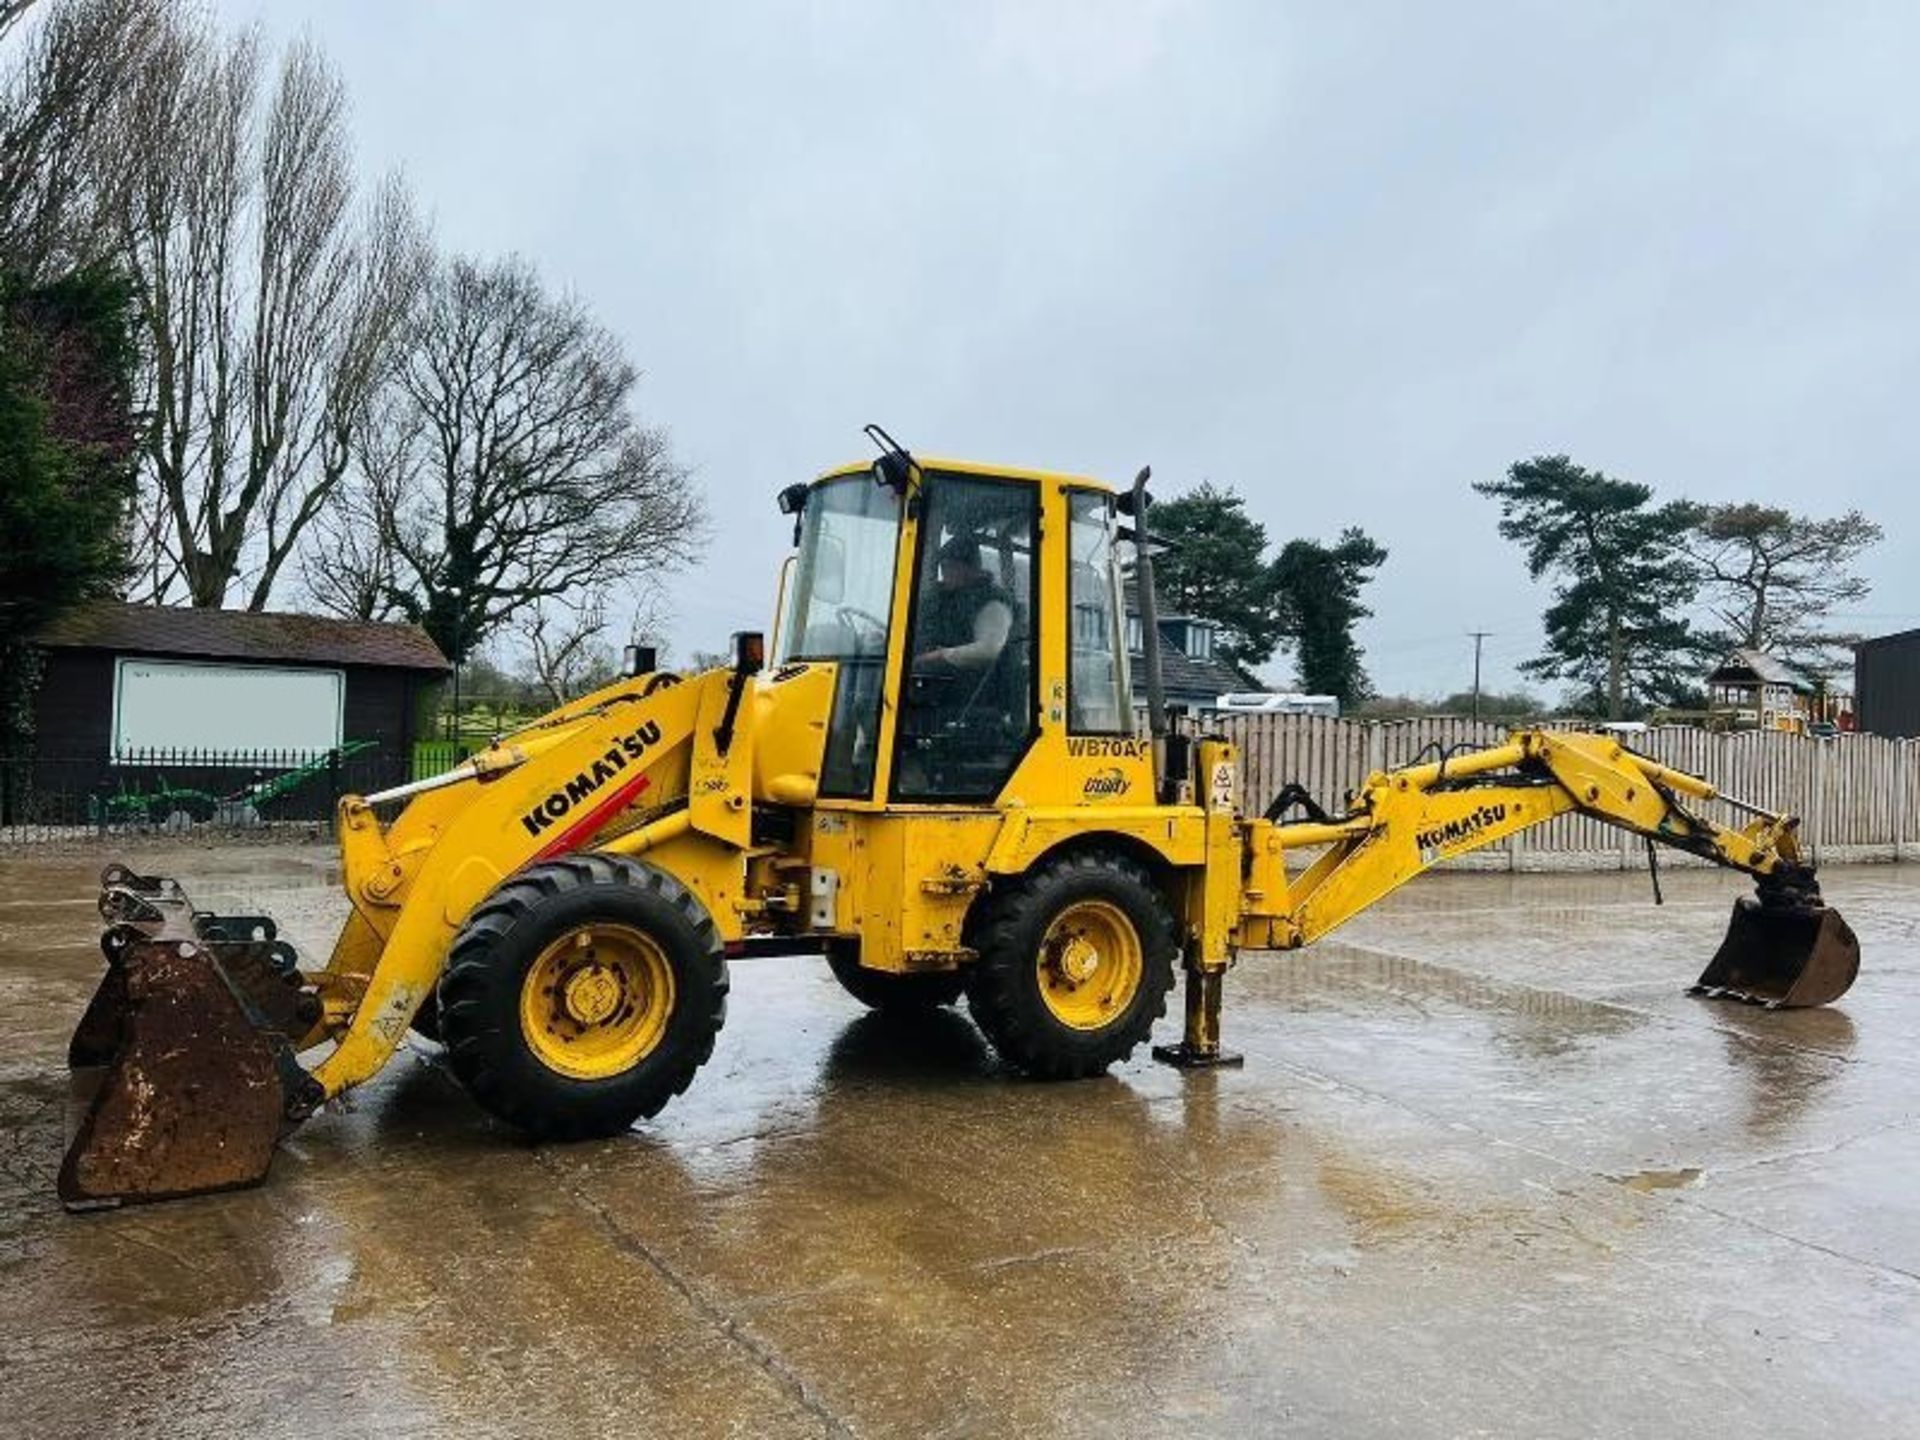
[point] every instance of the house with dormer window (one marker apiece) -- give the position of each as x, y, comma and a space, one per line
1192, 673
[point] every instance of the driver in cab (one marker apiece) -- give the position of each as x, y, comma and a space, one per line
967, 617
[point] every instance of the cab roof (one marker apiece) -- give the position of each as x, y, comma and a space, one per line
975, 467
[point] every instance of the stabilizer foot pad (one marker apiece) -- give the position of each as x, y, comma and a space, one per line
1186, 1057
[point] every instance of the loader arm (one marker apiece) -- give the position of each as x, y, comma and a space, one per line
1406, 821
196, 1004
627, 770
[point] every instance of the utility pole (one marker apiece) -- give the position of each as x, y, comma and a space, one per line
1479, 637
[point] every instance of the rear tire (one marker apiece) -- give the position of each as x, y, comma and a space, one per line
1076, 959
893, 994
560, 1042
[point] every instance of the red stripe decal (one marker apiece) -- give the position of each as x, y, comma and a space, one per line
584, 828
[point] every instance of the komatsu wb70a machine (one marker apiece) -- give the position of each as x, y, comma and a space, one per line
936, 783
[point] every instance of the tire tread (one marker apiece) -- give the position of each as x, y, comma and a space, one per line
478, 1037
1006, 931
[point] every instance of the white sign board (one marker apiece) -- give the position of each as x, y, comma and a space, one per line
205, 706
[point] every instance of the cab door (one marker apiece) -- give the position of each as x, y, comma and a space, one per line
968, 709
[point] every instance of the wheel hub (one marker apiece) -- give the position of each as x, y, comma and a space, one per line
1077, 960
597, 1001
591, 994
1090, 964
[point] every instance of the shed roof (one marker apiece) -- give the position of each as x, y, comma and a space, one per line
1898, 638
241, 635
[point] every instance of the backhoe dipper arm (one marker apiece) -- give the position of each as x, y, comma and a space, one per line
1406, 821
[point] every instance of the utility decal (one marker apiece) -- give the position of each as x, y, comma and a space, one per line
1104, 747
1458, 832
625, 750
1111, 781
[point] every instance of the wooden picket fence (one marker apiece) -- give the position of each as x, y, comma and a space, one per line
1858, 796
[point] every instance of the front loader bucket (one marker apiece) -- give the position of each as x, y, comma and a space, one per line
184, 1076
1783, 957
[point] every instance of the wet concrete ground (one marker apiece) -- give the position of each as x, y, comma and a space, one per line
1486, 1172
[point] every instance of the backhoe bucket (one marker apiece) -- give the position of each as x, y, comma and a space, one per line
1782, 957
184, 1076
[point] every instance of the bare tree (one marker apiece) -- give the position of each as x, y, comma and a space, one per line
505, 461
1773, 578
566, 654
567, 651
267, 301
348, 562
382, 271
55, 100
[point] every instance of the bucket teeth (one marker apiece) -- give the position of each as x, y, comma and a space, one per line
184, 1074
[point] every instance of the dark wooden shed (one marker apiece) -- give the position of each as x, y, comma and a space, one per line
1886, 684
122, 679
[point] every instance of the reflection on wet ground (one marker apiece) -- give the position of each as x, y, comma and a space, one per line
1487, 1170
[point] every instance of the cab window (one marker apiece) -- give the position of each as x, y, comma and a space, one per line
1096, 659
967, 711
839, 609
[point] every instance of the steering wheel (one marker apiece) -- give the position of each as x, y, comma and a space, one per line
850, 615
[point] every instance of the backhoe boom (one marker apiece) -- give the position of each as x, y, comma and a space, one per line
1406, 821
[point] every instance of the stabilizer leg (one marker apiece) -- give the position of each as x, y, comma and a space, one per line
1199, 1048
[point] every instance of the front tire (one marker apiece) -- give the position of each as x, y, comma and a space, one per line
1076, 959
582, 995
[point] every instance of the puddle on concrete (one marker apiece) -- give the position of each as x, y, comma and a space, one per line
1650, 1180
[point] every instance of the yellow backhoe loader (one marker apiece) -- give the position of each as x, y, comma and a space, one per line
937, 783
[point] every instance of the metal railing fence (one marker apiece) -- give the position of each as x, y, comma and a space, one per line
50, 795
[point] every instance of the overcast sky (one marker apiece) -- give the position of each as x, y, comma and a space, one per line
1346, 258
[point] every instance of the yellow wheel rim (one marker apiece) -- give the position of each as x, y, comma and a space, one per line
1090, 964
596, 1001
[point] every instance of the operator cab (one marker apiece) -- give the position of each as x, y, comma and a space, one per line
922, 583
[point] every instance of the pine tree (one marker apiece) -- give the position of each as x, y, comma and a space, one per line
1319, 589
67, 438
1215, 568
1622, 581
